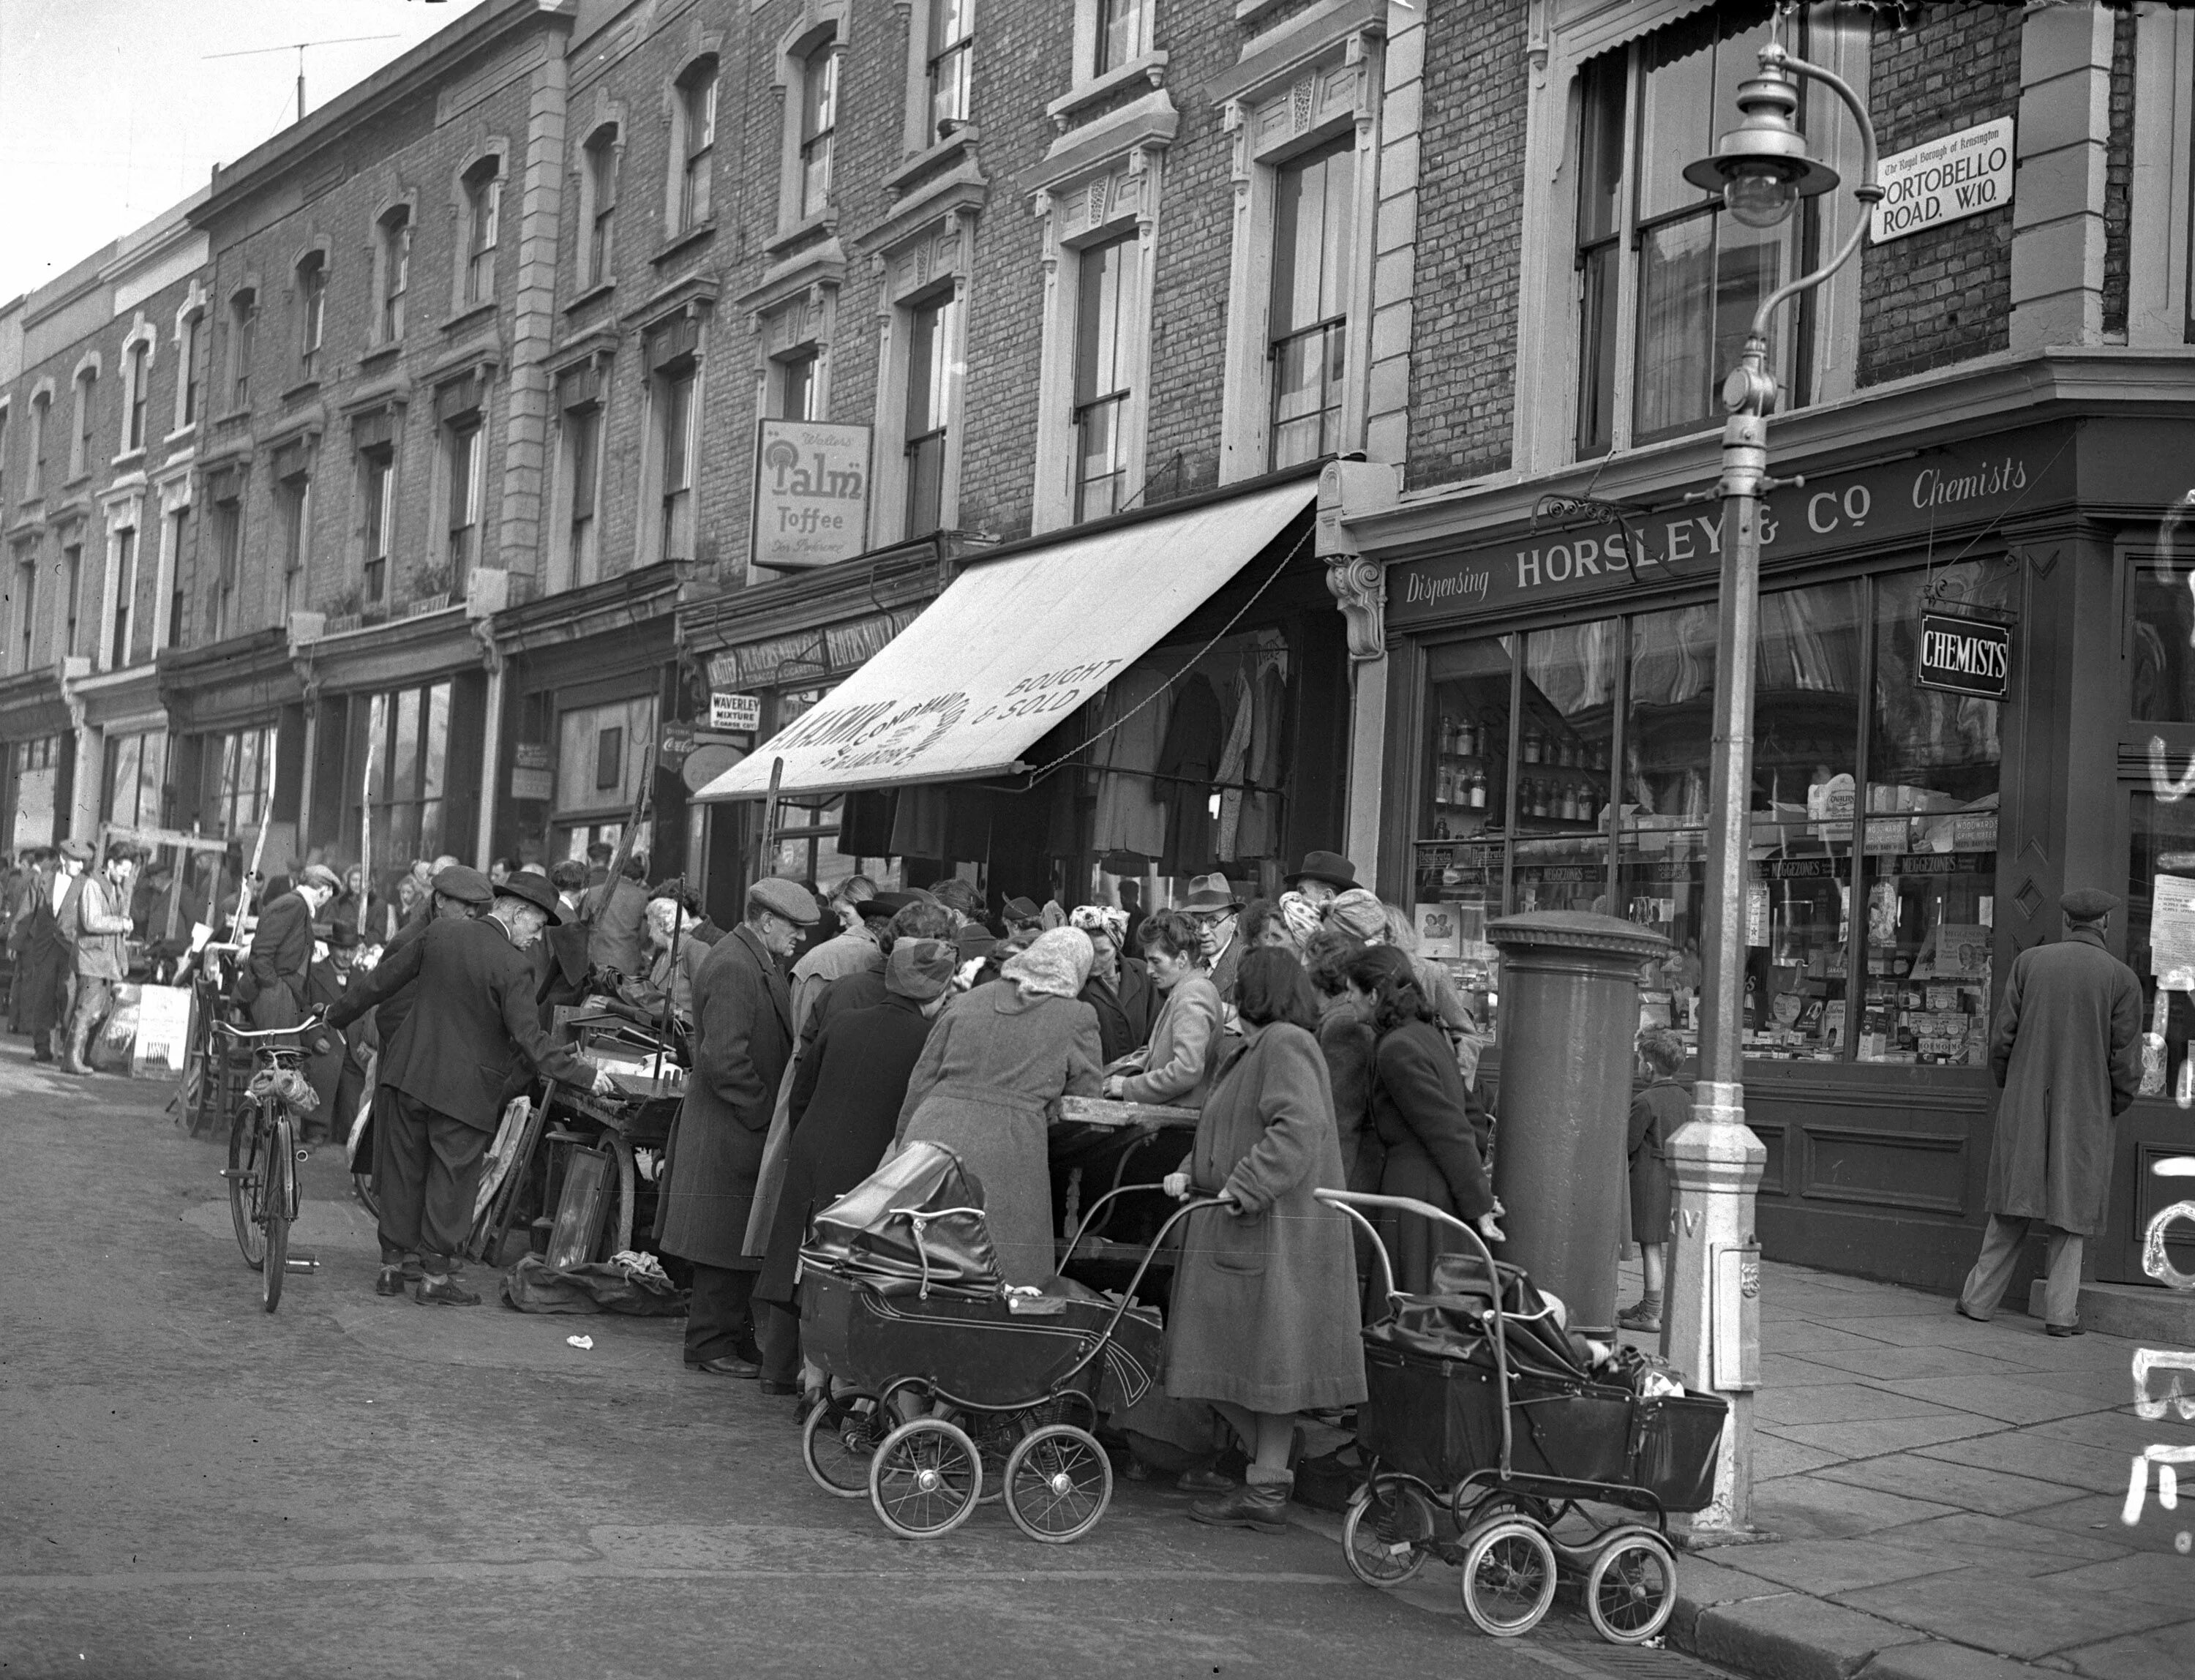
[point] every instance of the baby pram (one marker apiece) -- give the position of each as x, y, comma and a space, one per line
1480, 1405
943, 1381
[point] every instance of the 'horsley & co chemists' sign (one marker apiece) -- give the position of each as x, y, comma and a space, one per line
1964, 655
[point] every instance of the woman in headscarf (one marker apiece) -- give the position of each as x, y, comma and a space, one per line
992, 1066
1362, 914
1118, 987
1176, 1069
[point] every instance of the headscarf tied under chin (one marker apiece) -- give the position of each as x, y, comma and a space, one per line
1301, 916
1101, 919
1055, 965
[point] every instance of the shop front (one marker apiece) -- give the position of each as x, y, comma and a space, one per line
236, 753
1094, 716
38, 770
1956, 631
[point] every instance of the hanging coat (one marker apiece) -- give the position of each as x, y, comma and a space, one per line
1264, 1311
2066, 1049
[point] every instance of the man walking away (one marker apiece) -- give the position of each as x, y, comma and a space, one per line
447, 1074
2066, 1049
281, 952
102, 923
742, 1039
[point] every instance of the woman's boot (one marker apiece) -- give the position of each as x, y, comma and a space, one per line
1260, 1503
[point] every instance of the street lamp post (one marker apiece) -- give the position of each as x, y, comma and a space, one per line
1712, 1329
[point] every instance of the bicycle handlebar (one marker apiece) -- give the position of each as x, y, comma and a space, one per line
316, 1020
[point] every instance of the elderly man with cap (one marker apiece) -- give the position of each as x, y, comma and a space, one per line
472, 1037
102, 927
2065, 1048
274, 969
846, 1100
1321, 877
742, 1040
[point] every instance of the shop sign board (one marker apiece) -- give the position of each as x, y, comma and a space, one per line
534, 755
735, 712
811, 493
528, 783
1959, 484
1959, 654
1943, 180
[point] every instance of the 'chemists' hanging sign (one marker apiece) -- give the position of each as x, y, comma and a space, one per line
1942, 179
1964, 655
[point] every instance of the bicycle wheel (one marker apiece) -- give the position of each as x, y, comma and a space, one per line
362, 1186
1508, 1576
1631, 1590
841, 1436
925, 1479
277, 1204
1388, 1534
247, 1165
1057, 1484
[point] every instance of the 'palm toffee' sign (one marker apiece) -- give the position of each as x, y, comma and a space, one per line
1964, 655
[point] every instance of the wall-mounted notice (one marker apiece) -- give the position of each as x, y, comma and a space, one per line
1944, 179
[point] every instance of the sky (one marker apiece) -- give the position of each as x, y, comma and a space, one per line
112, 111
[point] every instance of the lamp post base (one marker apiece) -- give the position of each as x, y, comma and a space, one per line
1711, 1328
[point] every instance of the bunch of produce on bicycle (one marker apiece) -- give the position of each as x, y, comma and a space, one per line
1231, 1149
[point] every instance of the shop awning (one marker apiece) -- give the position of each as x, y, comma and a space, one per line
1012, 647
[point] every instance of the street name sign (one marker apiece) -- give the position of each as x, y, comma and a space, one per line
1944, 179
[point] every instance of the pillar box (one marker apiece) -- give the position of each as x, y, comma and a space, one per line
1570, 1020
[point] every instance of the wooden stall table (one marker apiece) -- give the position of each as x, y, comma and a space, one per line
1097, 1145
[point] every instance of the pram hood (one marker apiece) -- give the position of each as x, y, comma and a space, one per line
915, 1224
1448, 1323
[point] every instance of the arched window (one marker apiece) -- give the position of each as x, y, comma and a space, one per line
395, 270
483, 227
599, 182
136, 372
242, 333
311, 312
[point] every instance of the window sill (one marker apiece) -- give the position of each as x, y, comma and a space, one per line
471, 316
129, 459
824, 221
180, 434
380, 353
962, 139
593, 294
1062, 111
304, 389
681, 244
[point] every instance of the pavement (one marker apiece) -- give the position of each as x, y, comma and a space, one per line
1946, 1499
355, 1486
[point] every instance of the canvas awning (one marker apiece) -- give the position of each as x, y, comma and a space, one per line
1012, 646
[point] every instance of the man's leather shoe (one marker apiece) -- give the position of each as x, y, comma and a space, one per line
2064, 1329
727, 1367
444, 1292
390, 1282
1959, 1308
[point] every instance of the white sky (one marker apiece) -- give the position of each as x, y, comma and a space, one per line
111, 111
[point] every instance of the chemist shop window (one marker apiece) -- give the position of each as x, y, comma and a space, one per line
2160, 890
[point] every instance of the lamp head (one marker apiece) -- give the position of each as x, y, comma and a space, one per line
1761, 166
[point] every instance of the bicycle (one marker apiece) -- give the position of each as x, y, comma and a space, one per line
263, 1154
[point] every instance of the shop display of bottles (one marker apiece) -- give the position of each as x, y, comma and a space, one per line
1462, 781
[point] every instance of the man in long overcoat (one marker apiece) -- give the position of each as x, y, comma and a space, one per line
2066, 1049
742, 1039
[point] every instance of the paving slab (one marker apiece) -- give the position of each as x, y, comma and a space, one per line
2010, 1399
1967, 1486
1845, 1403
1810, 1508
2109, 1384
1936, 1660
1825, 1567
1810, 1337
2118, 1430
1702, 1584
1891, 1364
2047, 1458
1792, 1636
1870, 1438
2164, 1575
1986, 1609
1789, 1371
2158, 1531
2025, 1548
1774, 1458
2161, 1654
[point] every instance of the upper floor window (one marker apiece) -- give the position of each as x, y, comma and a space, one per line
600, 181
1120, 33
932, 386
1657, 256
951, 61
819, 124
81, 450
377, 497
3, 460
483, 227
1101, 380
465, 461
42, 412
187, 369
27, 606
243, 331
583, 460
395, 270
173, 632
1314, 213
134, 371
697, 104
674, 537
311, 312
126, 596
229, 563
72, 606
796, 386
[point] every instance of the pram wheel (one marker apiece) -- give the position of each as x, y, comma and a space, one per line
840, 1440
1631, 1589
924, 1479
1388, 1534
1058, 1483
1508, 1576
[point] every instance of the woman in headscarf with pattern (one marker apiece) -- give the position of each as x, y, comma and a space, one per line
1118, 987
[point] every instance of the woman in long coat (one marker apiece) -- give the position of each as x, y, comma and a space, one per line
1263, 1322
993, 1064
1423, 1115
1176, 1068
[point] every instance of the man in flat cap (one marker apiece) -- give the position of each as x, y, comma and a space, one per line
742, 1039
472, 1037
102, 927
2065, 1048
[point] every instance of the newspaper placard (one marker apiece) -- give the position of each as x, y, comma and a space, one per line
163, 1031
2171, 923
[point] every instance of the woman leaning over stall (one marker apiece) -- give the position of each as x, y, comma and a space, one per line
990, 1068
1423, 1115
1118, 987
1176, 1068
1262, 1323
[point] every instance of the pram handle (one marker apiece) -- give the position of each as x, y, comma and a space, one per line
1352, 1201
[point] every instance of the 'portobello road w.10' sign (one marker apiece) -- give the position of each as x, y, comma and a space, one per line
1938, 491
1964, 655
